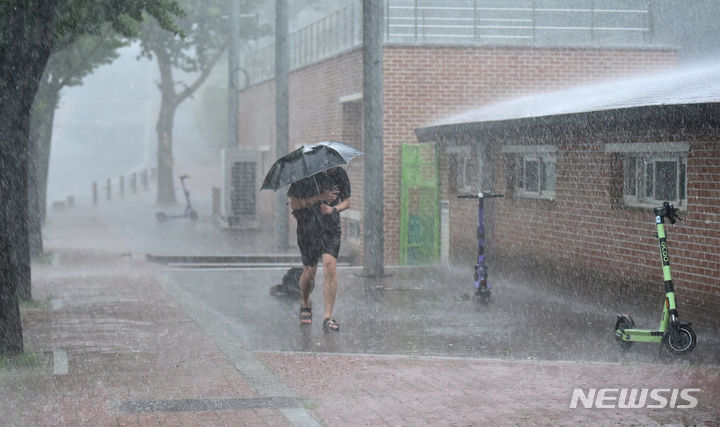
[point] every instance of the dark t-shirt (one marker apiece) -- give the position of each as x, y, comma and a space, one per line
310, 218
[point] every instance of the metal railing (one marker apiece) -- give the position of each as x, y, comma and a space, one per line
469, 22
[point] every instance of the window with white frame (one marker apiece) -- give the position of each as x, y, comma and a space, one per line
535, 170
650, 180
653, 173
460, 169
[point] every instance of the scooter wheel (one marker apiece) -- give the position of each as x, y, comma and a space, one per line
161, 217
193, 215
482, 296
681, 342
622, 323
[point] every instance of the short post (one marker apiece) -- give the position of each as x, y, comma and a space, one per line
133, 182
109, 189
94, 193
122, 186
216, 201
144, 179
444, 232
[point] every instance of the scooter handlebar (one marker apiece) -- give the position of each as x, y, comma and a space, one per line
668, 211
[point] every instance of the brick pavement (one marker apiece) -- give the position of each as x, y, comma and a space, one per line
131, 348
391, 390
126, 340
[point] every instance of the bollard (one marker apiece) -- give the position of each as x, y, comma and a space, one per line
133, 182
144, 179
109, 190
122, 186
58, 206
95, 194
216, 201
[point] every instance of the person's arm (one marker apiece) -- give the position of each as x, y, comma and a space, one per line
327, 209
300, 203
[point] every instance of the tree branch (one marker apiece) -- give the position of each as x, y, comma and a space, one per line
204, 74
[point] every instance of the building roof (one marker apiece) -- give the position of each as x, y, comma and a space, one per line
698, 84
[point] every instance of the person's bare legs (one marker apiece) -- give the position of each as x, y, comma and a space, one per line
331, 284
306, 279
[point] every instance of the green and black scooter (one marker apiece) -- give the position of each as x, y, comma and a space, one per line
675, 334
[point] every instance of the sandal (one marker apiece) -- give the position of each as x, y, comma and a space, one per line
305, 316
330, 325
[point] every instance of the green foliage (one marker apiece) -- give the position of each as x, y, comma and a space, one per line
68, 66
75, 17
60, 22
205, 33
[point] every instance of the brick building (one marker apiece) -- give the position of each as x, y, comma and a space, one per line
581, 170
423, 82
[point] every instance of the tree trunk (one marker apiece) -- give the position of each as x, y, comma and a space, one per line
41, 122
24, 52
166, 187
164, 128
11, 184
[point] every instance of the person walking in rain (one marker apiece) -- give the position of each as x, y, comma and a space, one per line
316, 203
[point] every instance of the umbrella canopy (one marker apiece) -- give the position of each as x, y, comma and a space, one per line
307, 161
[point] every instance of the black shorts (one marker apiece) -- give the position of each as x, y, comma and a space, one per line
313, 248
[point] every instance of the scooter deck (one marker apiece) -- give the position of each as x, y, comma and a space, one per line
640, 335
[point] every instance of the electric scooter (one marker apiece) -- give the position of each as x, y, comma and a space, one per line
189, 211
675, 334
481, 285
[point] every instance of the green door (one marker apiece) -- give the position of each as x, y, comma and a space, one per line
419, 209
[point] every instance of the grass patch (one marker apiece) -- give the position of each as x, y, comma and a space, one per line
47, 258
43, 304
27, 359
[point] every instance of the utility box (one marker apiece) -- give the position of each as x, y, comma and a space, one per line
238, 195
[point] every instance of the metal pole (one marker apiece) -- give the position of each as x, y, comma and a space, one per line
651, 22
233, 66
373, 231
592, 22
282, 112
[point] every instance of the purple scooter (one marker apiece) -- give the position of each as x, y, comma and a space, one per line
482, 287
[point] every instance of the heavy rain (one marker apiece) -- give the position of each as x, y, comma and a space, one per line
365, 212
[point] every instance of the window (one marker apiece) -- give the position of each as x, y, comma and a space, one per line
535, 170
651, 179
535, 175
653, 172
461, 176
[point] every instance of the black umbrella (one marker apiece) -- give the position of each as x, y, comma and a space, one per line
307, 161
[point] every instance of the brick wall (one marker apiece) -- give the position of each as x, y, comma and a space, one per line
586, 228
423, 84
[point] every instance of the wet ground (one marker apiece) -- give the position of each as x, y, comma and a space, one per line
423, 311
427, 312
149, 343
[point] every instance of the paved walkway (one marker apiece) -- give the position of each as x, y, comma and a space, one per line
134, 356
118, 342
